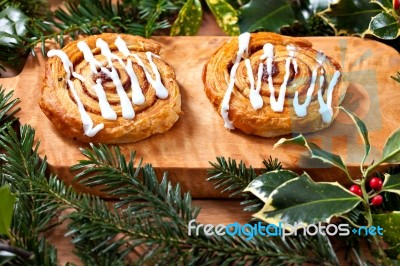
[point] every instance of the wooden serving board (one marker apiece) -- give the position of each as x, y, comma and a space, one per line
199, 136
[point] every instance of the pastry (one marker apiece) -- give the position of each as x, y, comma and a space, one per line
270, 85
110, 88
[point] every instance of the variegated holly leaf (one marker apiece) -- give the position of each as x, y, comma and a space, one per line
301, 200
351, 17
7, 200
391, 183
264, 184
267, 15
384, 26
189, 19
391, 150
390, 222
226, 16
12, 22
362, 129
316, 151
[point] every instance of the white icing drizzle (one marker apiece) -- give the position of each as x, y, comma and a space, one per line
326, 108
255, 97
277, 105
87, 121
301, 109
68, 66
127, 109
121, 45
156, 83
244, 40
292, 53
106, 111
105, 50
88, 55
78, 76
137, 94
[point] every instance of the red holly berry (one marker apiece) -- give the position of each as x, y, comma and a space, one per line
396, 4
377, 200
356, 190
375, 183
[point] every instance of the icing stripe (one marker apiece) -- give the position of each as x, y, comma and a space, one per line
106, 111
326, 108
127, 109
87, 122
244, 40
277, 104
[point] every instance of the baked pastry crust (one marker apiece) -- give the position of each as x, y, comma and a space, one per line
154, 115
264, 121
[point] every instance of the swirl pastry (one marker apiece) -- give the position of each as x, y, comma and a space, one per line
110, 88
270, 85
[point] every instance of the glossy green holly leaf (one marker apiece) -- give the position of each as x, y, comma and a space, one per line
362, 129
316, 151
390, 222
7, 200
268, 15
385, 4
263, 185
12, 22
189, 19
391, 150
226, 16
391, 183
301, 200
384, 26
351, 17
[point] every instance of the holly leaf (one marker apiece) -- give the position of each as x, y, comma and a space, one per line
321, 5
391, 183
189, 19
316, 151
391, 150
226, 16
384, 26
7, 200
385, 4
263, 185
390, 222
12, 22
350, 17
362, 129
268, 15
301, 200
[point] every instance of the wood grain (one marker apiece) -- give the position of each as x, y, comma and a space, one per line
199, 136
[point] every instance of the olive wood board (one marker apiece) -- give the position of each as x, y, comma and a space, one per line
199, 135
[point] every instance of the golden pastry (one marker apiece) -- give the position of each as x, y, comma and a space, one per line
110, 88
270, 85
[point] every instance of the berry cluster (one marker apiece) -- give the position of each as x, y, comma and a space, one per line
375, 185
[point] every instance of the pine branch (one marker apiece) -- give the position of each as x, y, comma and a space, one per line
233, 178
230, 176
151, 220
8, 108
88, 17
396, 78
22, 168
272, 164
